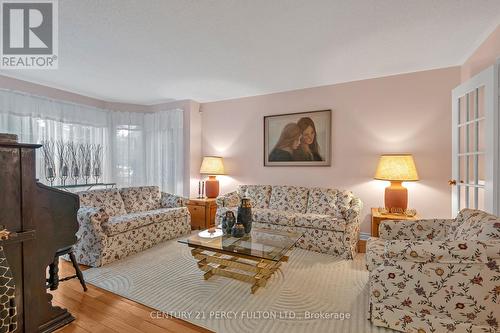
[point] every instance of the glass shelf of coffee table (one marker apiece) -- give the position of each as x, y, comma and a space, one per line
259, 243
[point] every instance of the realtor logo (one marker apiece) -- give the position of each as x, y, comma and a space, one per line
29, 34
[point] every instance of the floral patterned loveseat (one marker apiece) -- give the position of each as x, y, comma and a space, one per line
329, 218
437, 275
115, 223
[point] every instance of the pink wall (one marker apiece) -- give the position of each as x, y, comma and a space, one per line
402, 113
484, 56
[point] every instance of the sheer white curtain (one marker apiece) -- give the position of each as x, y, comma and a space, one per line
149, 149
36, 119
139, 148
164, 153
127, 142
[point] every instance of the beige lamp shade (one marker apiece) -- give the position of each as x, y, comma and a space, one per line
212, 165
399, 167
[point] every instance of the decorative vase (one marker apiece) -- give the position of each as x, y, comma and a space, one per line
228, 222
238, 230
223, 224
64, 174
245, 214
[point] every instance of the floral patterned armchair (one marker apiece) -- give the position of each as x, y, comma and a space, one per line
436, 275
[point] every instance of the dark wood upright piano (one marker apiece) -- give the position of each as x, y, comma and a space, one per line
42, 220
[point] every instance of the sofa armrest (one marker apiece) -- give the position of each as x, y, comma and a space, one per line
352, 214
231, 199
414, 229
172, 201
460, 252
92, 216
91, 237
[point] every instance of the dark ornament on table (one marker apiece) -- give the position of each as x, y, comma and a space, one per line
228, 222
238, 230
245, 214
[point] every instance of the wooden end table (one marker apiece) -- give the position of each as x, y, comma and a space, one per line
202, 213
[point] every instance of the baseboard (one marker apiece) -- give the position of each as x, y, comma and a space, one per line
364, 235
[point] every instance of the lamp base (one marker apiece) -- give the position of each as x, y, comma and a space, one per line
396, 196
212, 187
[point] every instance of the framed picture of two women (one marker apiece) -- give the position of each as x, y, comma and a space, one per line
298, 139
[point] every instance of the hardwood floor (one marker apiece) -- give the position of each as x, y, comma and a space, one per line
98, 310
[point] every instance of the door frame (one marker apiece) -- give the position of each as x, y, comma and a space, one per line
489, 79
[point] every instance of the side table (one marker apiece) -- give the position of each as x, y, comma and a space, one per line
202, 213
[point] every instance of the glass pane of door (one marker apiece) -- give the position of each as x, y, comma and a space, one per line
481, 102
462, 139
481, 199
471, 150
475, 166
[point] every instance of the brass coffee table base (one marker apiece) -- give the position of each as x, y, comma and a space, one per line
253, 270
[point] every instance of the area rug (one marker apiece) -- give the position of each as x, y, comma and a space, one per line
312, 292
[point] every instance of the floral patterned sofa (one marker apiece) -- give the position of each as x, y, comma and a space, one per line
115, 223
328, 218
437, 275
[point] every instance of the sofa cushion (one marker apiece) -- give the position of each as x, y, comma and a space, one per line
264, 215
323, 201
141, 199
107, 199
476, 224
259, 195
120, 224
319, 221
289, 198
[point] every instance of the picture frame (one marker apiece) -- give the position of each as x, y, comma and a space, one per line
298, 139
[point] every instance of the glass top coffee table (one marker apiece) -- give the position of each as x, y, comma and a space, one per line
252, 258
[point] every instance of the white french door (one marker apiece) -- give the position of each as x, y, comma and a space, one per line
475, 140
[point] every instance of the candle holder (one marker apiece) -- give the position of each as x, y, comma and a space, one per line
97, 162
48, 161
73, 152
201, 189
85, 161
62, 159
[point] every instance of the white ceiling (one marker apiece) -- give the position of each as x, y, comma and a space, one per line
149, 51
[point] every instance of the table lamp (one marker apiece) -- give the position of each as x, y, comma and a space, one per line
212, 166
396, 168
